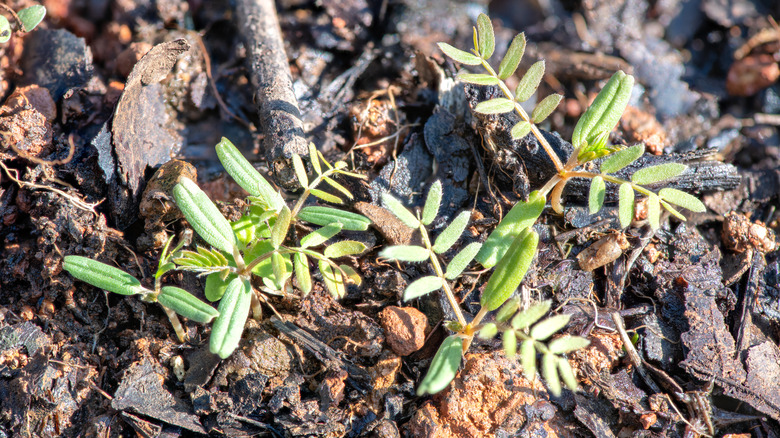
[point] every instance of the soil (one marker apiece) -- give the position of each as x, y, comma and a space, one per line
108, 103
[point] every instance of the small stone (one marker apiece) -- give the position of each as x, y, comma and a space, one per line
404, 328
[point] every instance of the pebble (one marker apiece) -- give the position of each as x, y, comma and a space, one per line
404, 329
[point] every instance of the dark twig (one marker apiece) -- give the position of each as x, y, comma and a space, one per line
280, 116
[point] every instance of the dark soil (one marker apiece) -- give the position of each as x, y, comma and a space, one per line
87, 120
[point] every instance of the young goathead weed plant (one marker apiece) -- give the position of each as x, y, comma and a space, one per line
511, 247
26, 20
259, 244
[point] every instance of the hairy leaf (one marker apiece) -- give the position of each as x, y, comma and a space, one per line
531, 315
320, 236
654, 211
509, 341
216, 284
622, 158
520, 130
351, 275
204, 216
498, 105
459, 55
452, 233
102, 275
461, 260
528, 359
405, 253
325, 196
567, 374
5, 30
550, 374
229, 325
444, 366
507, 310
606, 110
331, 182
530, 82
510, 270
281, 227
672, 210
300, 171
625, 204
488, 331
31, 17
432, 203
314, 158
487, 39
280, 269
186, 305
246, 175
401, 212
333, 280
478, 79
682, 199
661, 172
520, 217
546, 107
344, 248
567, 343
549, 326
596, 197
327, 215
302, 273
422, 286
512, 58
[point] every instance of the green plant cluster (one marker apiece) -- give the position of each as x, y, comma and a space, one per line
264, 242
26, 20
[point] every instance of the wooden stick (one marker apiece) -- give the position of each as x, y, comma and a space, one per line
280, 117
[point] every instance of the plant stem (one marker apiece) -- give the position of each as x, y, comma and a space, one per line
440, 273
610, 178
519, 109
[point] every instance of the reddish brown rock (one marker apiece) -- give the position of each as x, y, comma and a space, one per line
34, 96
404, 329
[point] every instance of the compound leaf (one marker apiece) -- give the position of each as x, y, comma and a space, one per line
314, 159
530, 82
596, 196
546, 107
530, 315
204, 216
622, 158
300, 171
550, 374
682, 199
509, 341
625, 204
512, 58
498, 105
528, 358
451, 234
567, 343
422, 286
405, 253
325, 196
459, 55
654, 211
302, 273
444, 366
321, 235
331, 182
461, 260
507, 310
432, 203
661, 172
567, 374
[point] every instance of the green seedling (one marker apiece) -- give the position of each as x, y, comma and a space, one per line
26, 20
262, 243
511, 247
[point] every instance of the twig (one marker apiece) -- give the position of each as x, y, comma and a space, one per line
280, 116
90, 207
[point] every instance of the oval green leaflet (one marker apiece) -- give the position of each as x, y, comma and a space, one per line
233, 311
186, 304
204, 216
444, 366
103, 276
422, 286
510, 270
